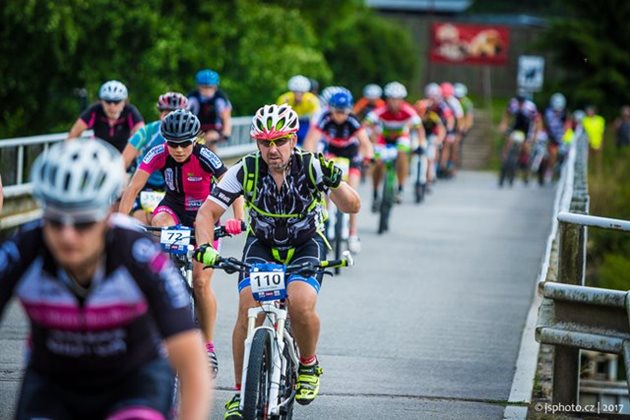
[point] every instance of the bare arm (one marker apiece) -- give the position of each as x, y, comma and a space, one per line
365, 146
185, 352
208, 214
226, 117
504, 122
79, 127
310, 142
346, 198
129, 154
238, 208
138, 181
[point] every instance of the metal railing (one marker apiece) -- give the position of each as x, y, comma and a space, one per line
572, 316
17, 154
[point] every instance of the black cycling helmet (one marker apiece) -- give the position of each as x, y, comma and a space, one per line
180, 126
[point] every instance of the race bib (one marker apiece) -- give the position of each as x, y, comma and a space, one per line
149, 200
267, 282
176, 239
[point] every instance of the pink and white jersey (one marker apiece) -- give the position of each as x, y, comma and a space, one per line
188, 183
395, 124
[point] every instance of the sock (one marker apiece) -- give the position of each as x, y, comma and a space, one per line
400, 188
374, 194
308, 361
237, 388
210, 347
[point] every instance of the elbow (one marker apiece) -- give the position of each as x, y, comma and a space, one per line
354, 206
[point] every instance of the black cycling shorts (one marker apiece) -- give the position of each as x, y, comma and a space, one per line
351, 153
177, 212
145, 393
313, 249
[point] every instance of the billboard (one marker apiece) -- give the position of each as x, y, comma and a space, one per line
457, 43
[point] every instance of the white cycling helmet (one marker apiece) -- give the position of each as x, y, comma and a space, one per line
299, 83
460, 90
433, 91
331, 91
113, 91
273, 121
78, 180
372, 91
558, 101
395, 90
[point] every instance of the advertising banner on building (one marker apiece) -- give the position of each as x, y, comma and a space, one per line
457, 43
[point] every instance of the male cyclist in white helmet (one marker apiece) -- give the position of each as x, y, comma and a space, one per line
286, 226
105, 304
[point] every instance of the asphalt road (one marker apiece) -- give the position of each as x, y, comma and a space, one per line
428, 322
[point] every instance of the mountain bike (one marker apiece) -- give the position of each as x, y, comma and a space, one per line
511, 159
388, 155
271, 358
540, 158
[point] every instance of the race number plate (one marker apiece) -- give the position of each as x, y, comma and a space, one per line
343, 164
267, 282
149, 200
176, 239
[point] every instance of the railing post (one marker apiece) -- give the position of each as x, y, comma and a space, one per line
20, 166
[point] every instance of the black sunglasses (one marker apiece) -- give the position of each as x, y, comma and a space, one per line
78, 226
183, 144
275, 142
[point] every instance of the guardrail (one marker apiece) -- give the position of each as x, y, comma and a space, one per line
572, 316
17, 154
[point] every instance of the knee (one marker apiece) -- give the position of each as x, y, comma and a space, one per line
301, 310
201, 279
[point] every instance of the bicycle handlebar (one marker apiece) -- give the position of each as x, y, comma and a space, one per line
219, 231
308, 269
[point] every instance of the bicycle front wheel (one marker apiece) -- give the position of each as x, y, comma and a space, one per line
258, 381
389, 186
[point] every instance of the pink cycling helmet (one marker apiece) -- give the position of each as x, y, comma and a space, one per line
170, 101
274, 121
447, 89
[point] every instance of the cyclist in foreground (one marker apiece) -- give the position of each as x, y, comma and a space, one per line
282, 187
189, 170
391, 125
344, 136
113, 119
102, 299
144, 140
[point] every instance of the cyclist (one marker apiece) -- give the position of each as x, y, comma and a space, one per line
453, 139
100, 297
213, 108
144, 140
282, 186
344, 137
391, 124
189, 170
302, 101
113, 119
556, 120
371, 99
461, 93
435, 103
526, 120
435, 132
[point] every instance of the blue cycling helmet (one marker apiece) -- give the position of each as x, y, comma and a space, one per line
341, 100
207, 77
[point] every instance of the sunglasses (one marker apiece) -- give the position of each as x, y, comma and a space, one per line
279, 142
175, 145
344, 111
78, 226
112, 102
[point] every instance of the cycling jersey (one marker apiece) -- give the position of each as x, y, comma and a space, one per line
455, 106
189, 183
394, 124
144, 140
524, 115
209, 110
136, 299
444, 112
364, 106
339, 135
306, 109
280, 218
467, 105
554, 123
119, 131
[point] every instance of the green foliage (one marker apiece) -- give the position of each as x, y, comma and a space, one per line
609, 251
591, 44
50, 49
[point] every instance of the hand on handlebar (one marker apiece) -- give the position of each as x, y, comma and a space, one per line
234, 226
206, 254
